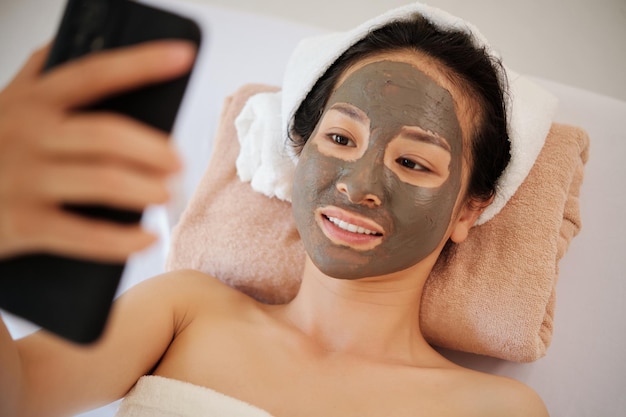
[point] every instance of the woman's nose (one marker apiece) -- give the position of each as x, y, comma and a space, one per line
362, 183
357, 196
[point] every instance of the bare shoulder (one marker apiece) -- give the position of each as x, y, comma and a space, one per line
188, 286
184, 280
501, 396
191, 294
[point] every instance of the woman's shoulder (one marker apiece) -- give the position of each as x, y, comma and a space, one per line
193, 294
196, 302
494, 395
189, 287
188, 279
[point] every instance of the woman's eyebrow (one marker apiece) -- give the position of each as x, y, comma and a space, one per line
417, 134
352, 112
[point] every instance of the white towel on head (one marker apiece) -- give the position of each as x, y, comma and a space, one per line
531, 111
265, 159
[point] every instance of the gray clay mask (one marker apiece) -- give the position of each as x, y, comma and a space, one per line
362, 208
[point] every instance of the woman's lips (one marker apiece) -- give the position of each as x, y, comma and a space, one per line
350, 227
347, 229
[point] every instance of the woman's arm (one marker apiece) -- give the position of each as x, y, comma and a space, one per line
47, 376
57, 378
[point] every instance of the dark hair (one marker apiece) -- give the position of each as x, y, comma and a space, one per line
471, 69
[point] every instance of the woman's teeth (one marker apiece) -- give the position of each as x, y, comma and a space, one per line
351, 227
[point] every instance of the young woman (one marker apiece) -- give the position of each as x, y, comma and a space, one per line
400, 143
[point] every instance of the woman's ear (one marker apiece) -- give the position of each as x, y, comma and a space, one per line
470, 212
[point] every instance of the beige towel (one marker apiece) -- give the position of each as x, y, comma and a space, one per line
495, 297
156, 396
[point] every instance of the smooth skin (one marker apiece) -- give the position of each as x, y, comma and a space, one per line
340, 348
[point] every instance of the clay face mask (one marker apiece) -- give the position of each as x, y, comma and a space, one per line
378, 179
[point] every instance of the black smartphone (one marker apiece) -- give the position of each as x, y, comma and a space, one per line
67, 296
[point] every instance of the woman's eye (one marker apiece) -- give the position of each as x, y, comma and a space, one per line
341, 140
408, 163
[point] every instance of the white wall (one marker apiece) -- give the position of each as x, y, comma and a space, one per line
576, 42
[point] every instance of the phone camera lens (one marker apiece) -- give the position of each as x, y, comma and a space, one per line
93, 13
92, 16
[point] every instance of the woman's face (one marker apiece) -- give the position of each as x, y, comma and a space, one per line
377, 182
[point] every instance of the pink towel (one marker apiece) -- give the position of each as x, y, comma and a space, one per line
496, 295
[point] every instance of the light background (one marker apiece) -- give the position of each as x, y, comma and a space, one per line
576, 42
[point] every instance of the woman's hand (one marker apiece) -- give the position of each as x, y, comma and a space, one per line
52, 153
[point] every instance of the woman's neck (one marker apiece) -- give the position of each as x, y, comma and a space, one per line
376, 318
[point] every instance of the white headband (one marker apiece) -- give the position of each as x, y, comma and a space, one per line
264, 123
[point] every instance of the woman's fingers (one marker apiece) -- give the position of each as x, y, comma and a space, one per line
110, 184
102, 135
48, 229
88, 79
31, 217
51, 153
